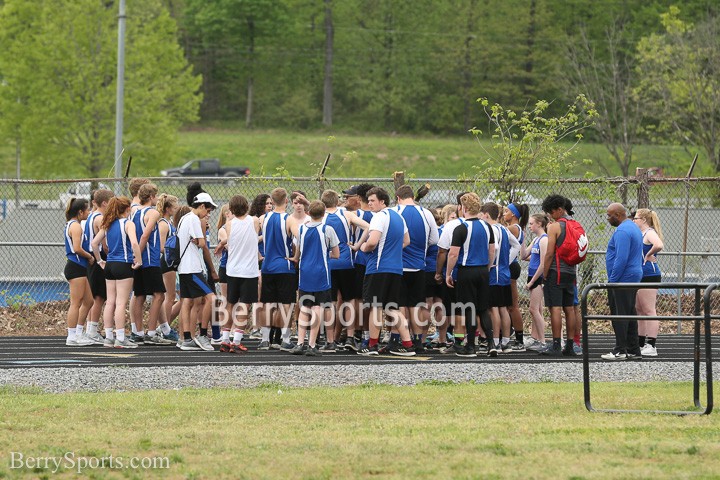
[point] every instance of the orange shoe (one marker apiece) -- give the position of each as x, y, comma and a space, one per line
226, 347
238, 348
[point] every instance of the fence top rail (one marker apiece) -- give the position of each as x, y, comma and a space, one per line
663, 253
686, 285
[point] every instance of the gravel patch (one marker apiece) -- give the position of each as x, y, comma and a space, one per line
59, 380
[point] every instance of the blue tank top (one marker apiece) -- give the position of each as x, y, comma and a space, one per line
431, 255
119, 246
649, 269
314, 259
360, 256
224, 256
419, 231
151, 252
500, 271
172, 231
277, 244
69, 250
340, 224
535, 256
89, 232
387, 256
474, 251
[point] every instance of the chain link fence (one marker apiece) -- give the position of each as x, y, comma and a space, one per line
32, 222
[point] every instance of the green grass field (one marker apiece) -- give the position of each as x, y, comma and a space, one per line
372, 155
428, 431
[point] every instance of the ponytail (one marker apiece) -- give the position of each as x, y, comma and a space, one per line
117, 206
221, 218
164, 202
542, 219
655, 223
74, 207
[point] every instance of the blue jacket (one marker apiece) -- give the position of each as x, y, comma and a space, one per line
624, 256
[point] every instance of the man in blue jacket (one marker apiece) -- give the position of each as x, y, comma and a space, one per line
623, 261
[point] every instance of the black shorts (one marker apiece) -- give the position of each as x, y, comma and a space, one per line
118, 271
96, 279
432, 288
74, 270
500, 296
148, 281
473, 286
413, 289
314, 299
359, 281
559, 295
194, 285
243, 290
651, 279
449, 300
278, 288
537, 283
515, 270
382, 288
343, 281
222, 275
164, 266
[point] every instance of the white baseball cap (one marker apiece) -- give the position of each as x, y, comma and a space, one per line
203, 198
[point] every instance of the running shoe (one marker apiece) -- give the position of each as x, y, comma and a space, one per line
386, 338
264, 345
482, 342
299, 349
158, 339
569, 350
493, 351
577, 349
216, 341
225, 347
188, 345
204, 343
351, 344
329, 348
255, 334
506, 348
125, 343
313, 352
109, 343
614, 356
287, 347
238, 348
368, 351
634, 356
96, 338
446, 349
466, 352
648, 351
418, 346
552, 350
517, 347
137, 339
402, 351
83, 341
275, 346
173, 336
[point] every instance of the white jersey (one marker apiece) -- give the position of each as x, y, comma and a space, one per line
188, 229
242, 261
445, 241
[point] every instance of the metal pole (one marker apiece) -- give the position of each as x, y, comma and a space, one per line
120, 97
17, 171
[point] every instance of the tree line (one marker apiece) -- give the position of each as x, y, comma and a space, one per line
410, 66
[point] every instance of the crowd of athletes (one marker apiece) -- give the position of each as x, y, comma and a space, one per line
356, 271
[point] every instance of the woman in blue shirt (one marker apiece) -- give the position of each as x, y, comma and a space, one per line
78, 259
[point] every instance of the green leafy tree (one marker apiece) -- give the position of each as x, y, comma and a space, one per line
529, 144
680, 72
60, 66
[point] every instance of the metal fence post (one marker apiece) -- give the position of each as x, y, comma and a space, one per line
643, 190
679, 293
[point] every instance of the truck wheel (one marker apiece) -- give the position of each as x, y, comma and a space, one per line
231, 178
174, 178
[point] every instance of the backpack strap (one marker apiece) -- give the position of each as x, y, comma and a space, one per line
557, 253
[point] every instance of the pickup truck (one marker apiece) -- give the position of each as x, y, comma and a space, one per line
209, 167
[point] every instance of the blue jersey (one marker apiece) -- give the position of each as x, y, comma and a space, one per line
520, 239
89, 232
70, 252
649, 269
119, 246
535, 256
315, 259
224, 256
419, 231
431, 255
474, 237
339, 222
151, 252
500, 271
387, 256
360, 256
277, 244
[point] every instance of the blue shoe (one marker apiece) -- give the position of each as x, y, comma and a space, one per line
577, 349
172, 336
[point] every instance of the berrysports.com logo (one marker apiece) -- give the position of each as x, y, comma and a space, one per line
71, 462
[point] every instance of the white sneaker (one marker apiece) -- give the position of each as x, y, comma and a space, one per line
612, 356
96, 338
648, 351
83, 341
203, 342
71, 342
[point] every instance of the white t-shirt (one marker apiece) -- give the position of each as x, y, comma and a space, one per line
242, 249
445, 241
189, 228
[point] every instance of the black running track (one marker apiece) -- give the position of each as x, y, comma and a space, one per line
24, 352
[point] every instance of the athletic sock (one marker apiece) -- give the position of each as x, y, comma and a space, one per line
237, 336
133, 328
641, 340
519, 337
226, 335
395, 337
186, 336
557, 343
203, 332
407, 344
72, 333
651, 341
141, 333
366, 335
109, 334
576, 339
373, 342
165, 328
265, 331
120, 333
496, 341
215, 331
505, 341
152, 333
92, 328
285, 335
79, 330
